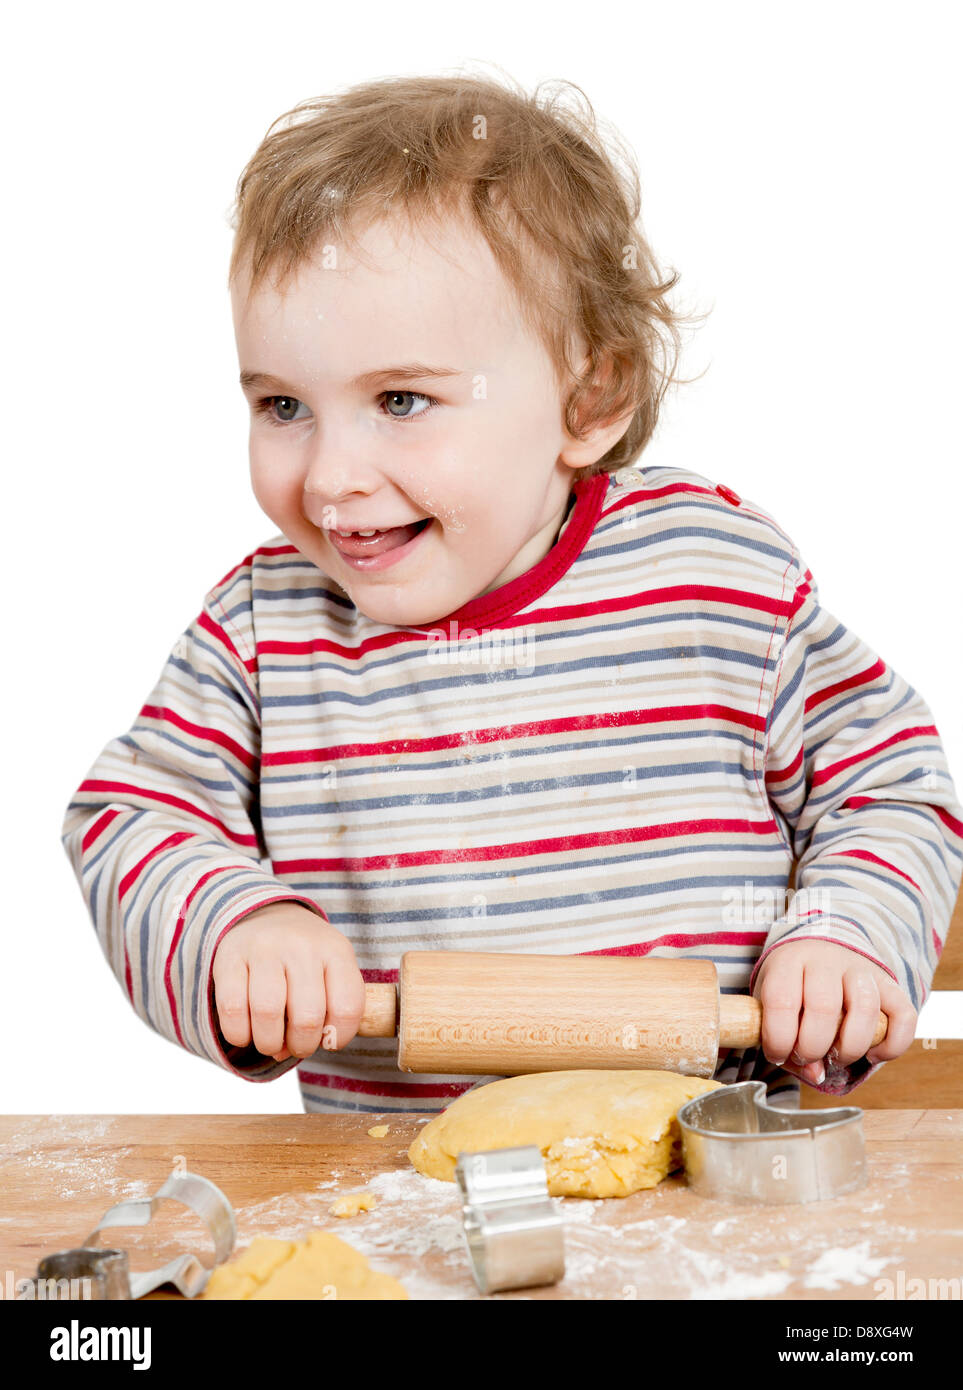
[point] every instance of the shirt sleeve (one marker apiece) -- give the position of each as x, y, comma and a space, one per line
164, 837
856, 773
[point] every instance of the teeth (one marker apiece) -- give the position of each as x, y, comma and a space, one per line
375, 531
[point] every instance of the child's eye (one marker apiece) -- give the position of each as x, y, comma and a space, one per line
283, 410
283, 404
394, 396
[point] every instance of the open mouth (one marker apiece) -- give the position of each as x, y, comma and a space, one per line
361, 546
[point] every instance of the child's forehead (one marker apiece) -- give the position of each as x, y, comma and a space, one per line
442, 273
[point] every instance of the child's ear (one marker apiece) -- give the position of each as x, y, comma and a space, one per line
596, 436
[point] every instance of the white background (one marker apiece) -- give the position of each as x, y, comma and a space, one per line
799, 168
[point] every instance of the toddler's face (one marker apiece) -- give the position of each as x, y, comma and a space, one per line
469, 472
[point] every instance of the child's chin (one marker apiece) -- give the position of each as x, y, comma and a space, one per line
396, 611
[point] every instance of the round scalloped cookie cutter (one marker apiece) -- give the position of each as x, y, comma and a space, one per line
739, 1148
105, 1272
515, 1235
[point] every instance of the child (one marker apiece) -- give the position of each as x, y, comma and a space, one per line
491, 687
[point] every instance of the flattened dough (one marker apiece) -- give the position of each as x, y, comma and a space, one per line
321, 1267
601, 1133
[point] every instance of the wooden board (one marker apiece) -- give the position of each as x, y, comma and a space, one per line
59, 1174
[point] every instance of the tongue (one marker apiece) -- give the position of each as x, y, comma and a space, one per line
358, 546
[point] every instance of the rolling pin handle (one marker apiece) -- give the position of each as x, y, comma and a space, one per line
380, 1019
882, 1027
740, 1022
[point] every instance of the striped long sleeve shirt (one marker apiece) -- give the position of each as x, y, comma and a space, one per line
622, 751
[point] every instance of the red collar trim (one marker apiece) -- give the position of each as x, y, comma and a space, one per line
488, 610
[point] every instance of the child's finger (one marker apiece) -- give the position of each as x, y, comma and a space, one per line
346, 1000
812, 1072
231, 998
822, 1005
267, 996
901, 1023
861, 1001
306, 1009
780, 995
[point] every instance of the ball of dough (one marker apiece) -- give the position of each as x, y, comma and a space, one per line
601, 1133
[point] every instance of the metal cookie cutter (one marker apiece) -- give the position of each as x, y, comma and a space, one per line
739, 1148
108, 1271
514, 1234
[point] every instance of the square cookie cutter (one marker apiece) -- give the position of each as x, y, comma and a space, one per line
739, 1148
106, 1272
514, 1234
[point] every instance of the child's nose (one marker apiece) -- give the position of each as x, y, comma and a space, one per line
338, 470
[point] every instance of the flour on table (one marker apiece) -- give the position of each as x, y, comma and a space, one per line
73, 1168
658, 1243
844, 1265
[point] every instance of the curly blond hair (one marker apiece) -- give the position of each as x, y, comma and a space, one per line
558, 207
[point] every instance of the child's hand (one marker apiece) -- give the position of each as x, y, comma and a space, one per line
280, 960
805, 986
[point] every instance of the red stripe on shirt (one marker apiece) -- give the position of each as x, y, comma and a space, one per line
250, 841
99, 825
536, 729
866, 677
826, 774
385, 1088
217, 632
553, 845
872, 859
200, 731
134, 873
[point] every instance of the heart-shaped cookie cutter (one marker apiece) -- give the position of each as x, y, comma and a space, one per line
105, 1272
739, 1148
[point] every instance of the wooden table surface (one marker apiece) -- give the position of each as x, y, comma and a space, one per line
60, 1173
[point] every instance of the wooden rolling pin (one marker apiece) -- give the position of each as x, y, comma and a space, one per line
505, 1014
